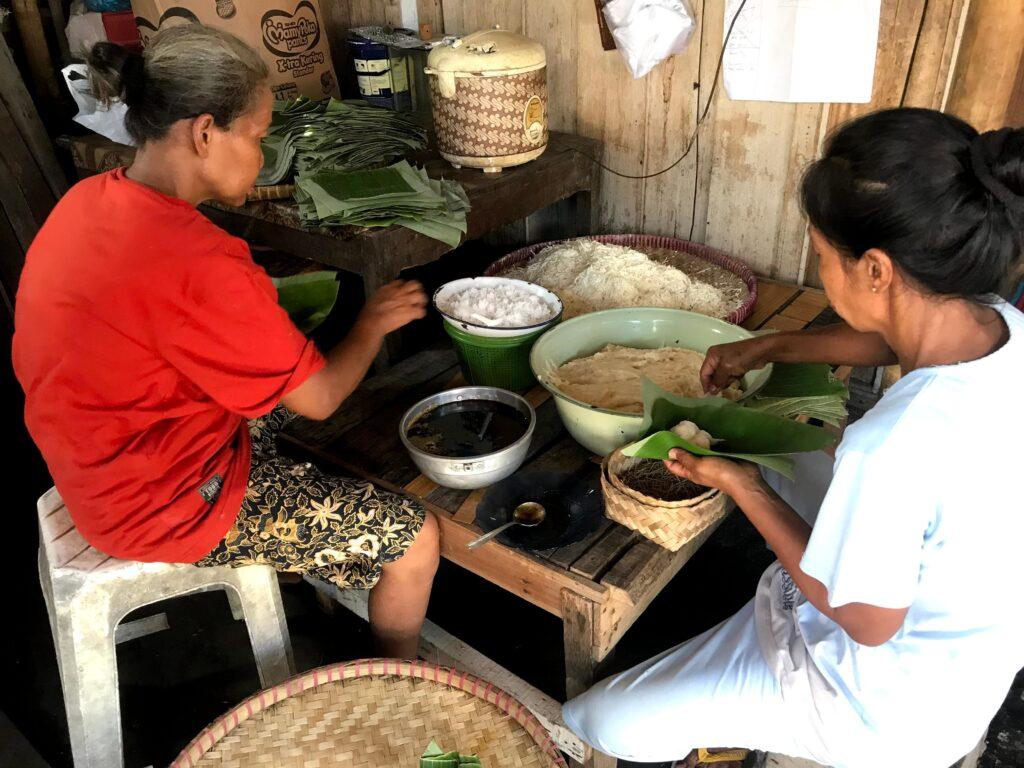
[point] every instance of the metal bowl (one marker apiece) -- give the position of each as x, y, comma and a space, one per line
476, 471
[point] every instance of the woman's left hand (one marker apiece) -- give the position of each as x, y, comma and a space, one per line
713, 471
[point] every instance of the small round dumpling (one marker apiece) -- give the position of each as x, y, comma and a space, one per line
693, 434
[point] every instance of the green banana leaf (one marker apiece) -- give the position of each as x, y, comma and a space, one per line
307, 136
802, 380
435, 757
308, 298
398, 195
746, 434
800, 389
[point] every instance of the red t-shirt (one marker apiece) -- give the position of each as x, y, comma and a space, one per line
145, 336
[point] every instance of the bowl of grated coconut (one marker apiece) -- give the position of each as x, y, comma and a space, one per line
493, 323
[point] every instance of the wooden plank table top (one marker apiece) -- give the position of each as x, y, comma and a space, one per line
598, 586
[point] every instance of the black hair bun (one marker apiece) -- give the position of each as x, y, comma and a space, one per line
997, 159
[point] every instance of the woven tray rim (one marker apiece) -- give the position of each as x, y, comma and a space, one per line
706, 252
210, 736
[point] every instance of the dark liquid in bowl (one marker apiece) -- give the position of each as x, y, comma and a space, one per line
467, 429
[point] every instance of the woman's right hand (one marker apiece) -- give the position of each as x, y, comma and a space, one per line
393, 306
726, 363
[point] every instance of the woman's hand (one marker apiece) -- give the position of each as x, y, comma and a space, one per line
713, 471
393, 306
726, 363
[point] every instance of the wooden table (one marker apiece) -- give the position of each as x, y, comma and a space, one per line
599, 586
378, 256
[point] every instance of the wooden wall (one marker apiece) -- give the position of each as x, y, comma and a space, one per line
737, 190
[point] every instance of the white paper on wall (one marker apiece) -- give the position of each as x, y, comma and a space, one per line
801, 50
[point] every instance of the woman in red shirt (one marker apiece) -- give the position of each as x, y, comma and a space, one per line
158, 366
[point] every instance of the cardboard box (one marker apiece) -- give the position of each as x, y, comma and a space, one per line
288, 34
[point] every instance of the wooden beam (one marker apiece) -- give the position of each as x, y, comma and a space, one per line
579, 617
37, 52
989, 79
636, 580
431, 18
23, 113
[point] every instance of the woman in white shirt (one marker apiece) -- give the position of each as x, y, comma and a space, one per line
890, 629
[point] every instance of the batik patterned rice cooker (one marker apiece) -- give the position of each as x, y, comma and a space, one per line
489, 99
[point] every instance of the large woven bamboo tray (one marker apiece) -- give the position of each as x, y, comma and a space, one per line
685, 249
373, 713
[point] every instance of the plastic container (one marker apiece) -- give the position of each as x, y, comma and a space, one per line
120, 28
494, 356
502, 361
108, 6
384, 79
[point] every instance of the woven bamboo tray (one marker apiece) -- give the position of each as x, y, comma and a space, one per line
670, 524
373, 713
712, 255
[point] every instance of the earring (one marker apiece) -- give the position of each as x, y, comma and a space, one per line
874, 289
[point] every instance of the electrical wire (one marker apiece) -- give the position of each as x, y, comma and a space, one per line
700, 121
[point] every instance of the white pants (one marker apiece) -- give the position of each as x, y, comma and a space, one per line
712, 691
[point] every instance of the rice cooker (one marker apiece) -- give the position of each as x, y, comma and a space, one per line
489, 98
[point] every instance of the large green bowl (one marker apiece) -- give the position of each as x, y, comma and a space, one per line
600, 430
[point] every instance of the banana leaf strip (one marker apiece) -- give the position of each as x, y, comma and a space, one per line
308, 136
798, 389
435, 757
308, 298
745, 434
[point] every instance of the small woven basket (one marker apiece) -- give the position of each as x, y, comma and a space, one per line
374, 713
670, 524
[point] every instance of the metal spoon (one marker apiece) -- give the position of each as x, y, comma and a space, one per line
529, 515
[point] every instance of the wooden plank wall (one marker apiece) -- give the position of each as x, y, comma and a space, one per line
738, 189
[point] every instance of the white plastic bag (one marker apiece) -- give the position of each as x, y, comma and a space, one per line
648, 31
84, 29
106, 121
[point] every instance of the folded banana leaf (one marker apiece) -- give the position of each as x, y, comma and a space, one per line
435, 757
308, 298
802, 390
745, 434
398, 195
308, 136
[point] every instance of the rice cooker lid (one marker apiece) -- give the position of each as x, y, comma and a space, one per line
488, 52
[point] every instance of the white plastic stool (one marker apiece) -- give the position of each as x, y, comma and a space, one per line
88, 593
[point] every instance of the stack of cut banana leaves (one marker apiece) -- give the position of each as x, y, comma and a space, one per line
383, 197
802, 390
307, 136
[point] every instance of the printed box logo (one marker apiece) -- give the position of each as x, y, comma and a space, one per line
291, 34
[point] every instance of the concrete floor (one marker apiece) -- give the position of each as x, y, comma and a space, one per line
175, 682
